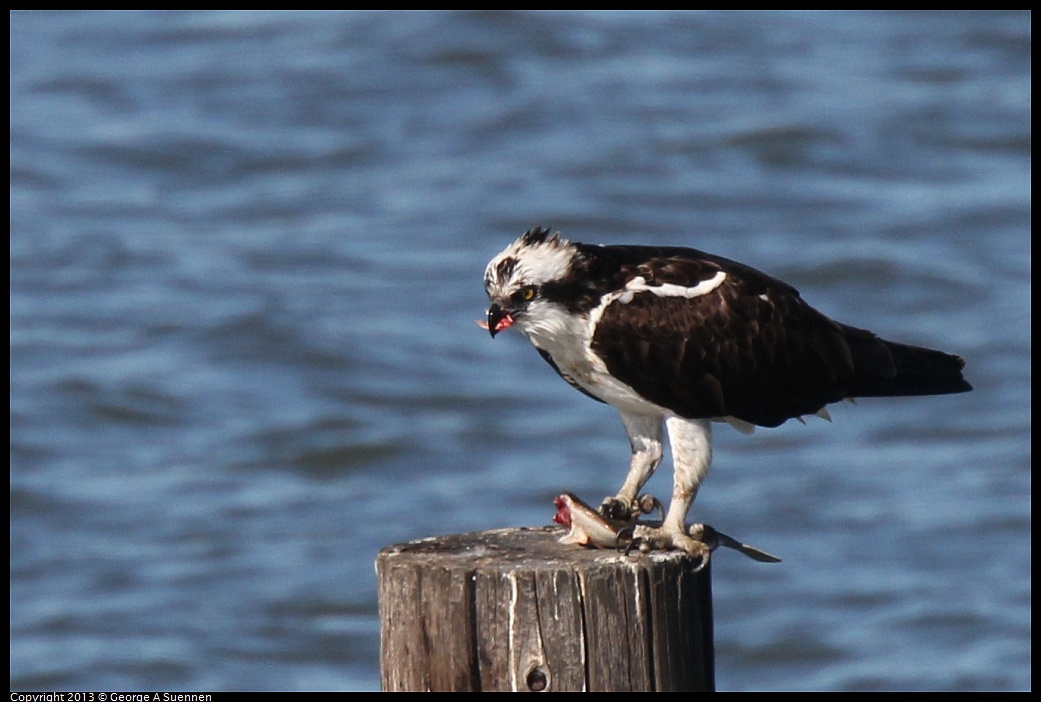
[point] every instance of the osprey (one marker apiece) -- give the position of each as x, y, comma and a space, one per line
676, 338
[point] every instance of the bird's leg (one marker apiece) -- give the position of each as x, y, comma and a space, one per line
691, 441
645, 437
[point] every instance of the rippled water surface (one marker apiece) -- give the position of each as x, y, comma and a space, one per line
246, 260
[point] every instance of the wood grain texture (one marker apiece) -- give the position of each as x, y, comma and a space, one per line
513, 609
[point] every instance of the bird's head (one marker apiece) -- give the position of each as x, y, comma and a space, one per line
518, 279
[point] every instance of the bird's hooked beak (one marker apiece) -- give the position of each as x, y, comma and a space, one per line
498, 319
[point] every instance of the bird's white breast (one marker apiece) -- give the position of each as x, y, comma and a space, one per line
567, 338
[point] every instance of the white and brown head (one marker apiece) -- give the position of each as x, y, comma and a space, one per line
529, 281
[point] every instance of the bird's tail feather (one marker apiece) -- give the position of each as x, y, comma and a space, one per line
886, 368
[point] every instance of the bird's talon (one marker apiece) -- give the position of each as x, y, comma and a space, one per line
642, 545
624, 538
619, 509
613, 508
647, 503
648, 539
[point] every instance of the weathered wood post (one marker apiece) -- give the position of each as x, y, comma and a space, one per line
513, 609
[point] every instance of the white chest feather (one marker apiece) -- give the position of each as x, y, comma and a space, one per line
566, 338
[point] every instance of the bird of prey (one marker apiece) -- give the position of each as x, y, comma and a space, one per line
676, 338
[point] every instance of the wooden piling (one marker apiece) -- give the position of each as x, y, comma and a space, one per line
514, 609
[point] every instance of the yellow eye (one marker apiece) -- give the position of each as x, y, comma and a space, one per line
525, 294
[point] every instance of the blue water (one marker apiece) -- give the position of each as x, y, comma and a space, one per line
246, 261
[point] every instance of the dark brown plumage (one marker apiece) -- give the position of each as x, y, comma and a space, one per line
752, 348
